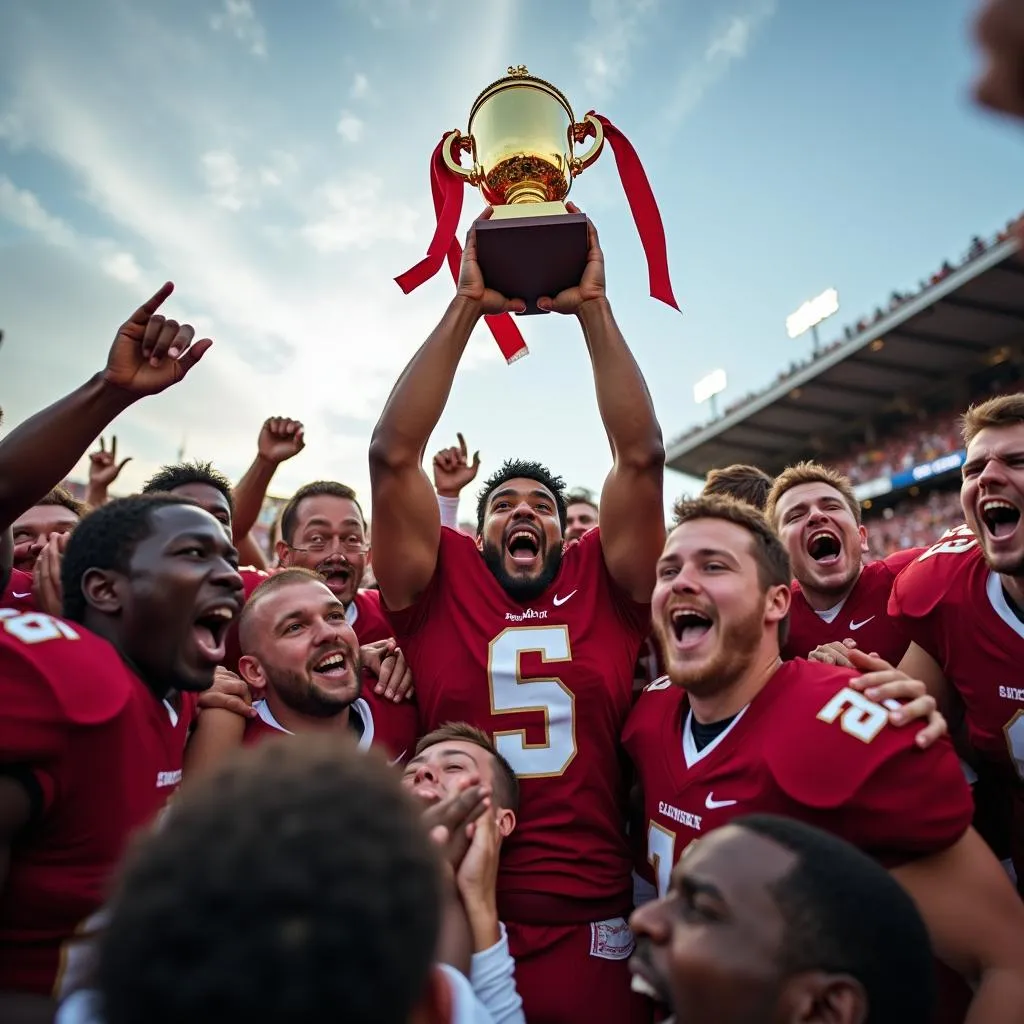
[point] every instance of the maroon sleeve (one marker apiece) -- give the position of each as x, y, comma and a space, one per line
33, 727
864, 779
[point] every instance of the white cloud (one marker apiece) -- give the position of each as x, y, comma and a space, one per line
122, 267
350, 127
239, 19
729, 43
224, 179
606, 51
355, 213
360, 86
24, 209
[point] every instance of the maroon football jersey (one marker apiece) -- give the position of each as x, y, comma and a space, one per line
550, 681
953, 606
18, 592
807, 747
100, 756
863, 616
266, 725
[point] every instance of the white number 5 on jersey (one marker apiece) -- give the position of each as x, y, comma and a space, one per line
510, 694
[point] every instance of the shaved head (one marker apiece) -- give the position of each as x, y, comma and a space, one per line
251, 626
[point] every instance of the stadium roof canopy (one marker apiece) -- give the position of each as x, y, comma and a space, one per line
971, 318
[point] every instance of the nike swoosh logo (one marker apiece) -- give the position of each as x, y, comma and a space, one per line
711, 803
857, 625
28, 594
559, 601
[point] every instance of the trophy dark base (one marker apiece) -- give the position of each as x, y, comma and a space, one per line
531, 257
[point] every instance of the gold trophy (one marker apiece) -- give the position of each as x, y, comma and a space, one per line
521, 140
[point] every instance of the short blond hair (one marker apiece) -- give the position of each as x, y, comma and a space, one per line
810, 473
1004, 411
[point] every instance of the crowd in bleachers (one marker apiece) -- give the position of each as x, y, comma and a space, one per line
913, 523
978, 247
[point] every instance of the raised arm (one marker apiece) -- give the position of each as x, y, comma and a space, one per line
149, 354
406, 526
632, 513
280, 439
976, 922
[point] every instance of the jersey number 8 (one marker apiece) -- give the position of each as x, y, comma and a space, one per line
550, 698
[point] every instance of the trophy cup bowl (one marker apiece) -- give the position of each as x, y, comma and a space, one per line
521, 138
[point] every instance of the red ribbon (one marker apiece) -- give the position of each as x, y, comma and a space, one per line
644, 209
446, 189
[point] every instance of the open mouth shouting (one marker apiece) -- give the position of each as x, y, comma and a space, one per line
210, 629
999, 516
689, 627
523, 545
825, 547
645, 983
337, 576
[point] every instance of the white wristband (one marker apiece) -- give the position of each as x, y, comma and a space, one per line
449, 508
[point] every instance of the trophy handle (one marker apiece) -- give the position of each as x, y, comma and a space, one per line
588, 126
465, 144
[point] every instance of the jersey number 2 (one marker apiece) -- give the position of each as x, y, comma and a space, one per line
511, 694
857, 715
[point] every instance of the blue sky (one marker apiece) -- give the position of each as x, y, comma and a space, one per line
271, 159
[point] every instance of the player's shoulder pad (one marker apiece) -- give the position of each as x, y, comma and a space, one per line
81, 671
923, 583
829, 738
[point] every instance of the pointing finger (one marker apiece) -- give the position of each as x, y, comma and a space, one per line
151, 305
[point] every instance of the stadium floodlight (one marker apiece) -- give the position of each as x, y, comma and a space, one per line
812, 313
708, 388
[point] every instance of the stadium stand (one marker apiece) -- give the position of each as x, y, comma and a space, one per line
881, 404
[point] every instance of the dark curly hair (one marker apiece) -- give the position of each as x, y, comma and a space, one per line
513, 469
106, 539
170, 478
298, 884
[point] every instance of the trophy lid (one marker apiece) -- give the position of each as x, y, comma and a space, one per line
519, 75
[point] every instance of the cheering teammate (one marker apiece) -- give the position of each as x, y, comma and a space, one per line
303, 663
534, 646
836, 596
733, 730
94, 719
962, 602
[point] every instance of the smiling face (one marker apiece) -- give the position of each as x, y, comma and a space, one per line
329, 539
824, 541
580, 516
521, 540
32, 529
710, 609
710, 950
299, 648
992, 495
171, 610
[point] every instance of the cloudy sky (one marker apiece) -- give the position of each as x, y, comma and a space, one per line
271, 159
